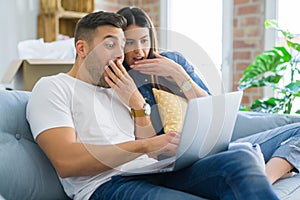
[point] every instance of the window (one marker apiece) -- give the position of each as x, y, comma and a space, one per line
285, 12
201, 23
288, 20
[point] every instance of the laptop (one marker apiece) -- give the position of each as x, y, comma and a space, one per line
207, 129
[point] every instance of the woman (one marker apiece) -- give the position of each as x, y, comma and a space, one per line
280, 146
169, 71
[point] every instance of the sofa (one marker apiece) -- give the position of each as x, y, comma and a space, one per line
26, 173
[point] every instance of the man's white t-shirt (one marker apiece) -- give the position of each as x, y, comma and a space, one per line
97, 115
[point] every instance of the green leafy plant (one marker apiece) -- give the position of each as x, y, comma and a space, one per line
268, 69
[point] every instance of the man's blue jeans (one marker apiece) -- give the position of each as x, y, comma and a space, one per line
234, 174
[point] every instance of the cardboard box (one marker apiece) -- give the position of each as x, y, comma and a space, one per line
25, 73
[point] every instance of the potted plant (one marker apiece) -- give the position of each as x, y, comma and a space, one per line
268, 69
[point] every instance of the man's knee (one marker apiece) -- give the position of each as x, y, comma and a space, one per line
246, 159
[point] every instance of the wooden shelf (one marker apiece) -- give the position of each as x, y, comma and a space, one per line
71, 15
60, 17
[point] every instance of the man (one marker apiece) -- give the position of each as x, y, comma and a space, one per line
93, 124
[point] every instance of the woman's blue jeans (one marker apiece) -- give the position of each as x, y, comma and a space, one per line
234, 174
283, 142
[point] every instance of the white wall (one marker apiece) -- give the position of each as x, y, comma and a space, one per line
18, 21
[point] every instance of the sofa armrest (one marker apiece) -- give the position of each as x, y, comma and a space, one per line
248, 123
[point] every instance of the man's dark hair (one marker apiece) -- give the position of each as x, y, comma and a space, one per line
86, 27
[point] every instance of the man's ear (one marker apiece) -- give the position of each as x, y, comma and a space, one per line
81, 48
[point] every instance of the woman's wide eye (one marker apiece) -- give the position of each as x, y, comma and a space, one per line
144, 41
129, 43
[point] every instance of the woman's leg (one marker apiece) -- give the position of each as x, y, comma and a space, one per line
276, 168
281, 149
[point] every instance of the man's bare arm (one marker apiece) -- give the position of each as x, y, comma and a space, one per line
72, 158
143, 127
120, 81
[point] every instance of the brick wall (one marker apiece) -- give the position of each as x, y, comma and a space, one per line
152, 7
248, 41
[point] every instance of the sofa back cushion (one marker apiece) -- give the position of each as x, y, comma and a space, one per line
248, 123
25, 172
